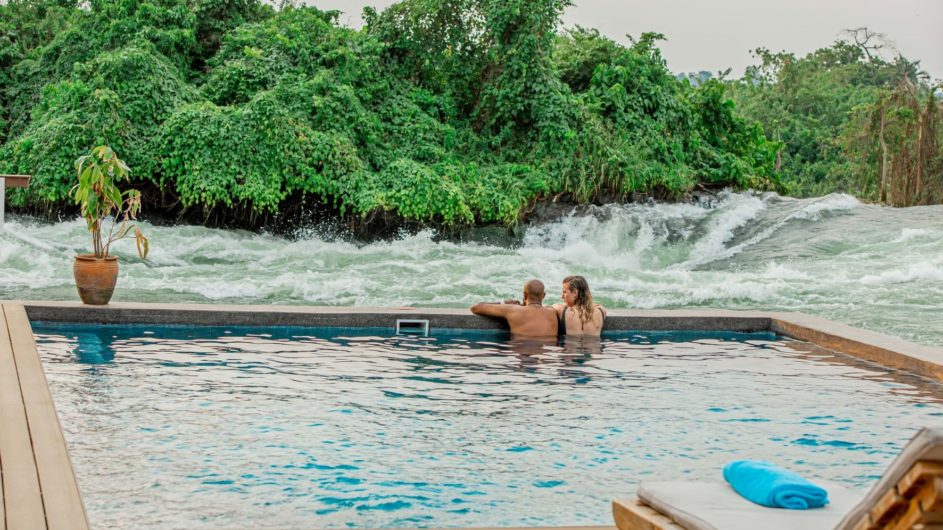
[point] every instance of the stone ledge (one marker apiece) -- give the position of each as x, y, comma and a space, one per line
861, 343
272, 315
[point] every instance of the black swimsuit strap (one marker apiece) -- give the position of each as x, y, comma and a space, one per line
562, 324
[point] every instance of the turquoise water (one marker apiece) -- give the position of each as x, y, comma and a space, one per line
182, 427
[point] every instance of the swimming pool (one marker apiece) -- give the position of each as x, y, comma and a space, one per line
199, 427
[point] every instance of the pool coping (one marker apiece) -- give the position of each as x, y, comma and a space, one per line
869, 345
43, 492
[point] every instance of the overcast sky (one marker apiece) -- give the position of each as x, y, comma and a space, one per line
716, 34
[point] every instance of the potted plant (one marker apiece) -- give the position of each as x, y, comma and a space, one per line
101, 201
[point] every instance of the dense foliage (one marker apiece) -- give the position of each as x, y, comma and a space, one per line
849, 121
454, 111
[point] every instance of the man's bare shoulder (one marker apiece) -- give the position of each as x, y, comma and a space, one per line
525, 312
549, 313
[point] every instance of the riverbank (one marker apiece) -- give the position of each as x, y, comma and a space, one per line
305, 213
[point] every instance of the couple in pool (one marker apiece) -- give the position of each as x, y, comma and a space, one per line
577, 316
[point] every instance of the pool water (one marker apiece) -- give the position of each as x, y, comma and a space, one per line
211, 427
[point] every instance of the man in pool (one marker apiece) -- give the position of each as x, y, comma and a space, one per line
531, 319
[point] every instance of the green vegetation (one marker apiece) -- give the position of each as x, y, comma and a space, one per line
452, 111
101, 201
827, 109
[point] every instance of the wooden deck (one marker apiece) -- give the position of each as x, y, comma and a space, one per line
37, 483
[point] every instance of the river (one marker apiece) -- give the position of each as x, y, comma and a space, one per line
868, 266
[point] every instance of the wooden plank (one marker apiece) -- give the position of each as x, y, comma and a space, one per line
3, 518
16, 181
60, 491
918, 474
633, 514
930, 499
915, 500
22, 496
906, 518
864, 523
887, 507
23, 504
6, 381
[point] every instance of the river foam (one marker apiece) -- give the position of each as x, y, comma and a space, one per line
876, 267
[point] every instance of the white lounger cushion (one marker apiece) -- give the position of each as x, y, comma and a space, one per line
716, 506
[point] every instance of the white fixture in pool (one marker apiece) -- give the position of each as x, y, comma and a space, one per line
412, 327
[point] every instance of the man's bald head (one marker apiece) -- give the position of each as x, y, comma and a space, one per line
534, 291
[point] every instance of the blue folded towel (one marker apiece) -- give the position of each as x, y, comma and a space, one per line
769, 485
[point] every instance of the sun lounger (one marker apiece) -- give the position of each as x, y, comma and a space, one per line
908, 495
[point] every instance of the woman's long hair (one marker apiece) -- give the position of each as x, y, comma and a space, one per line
584, 299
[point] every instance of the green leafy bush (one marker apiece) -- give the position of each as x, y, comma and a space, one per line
119, 98
438, 111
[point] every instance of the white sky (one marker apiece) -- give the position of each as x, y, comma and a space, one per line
716, 34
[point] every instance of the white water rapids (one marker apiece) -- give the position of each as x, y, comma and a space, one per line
868, 266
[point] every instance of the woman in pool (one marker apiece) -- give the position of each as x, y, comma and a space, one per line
578, 315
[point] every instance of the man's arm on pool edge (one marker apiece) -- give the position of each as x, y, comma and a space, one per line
493, 309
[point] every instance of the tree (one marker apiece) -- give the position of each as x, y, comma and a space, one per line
871, 43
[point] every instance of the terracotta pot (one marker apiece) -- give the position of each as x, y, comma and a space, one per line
95, 278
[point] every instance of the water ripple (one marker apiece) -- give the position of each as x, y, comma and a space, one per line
288, 427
